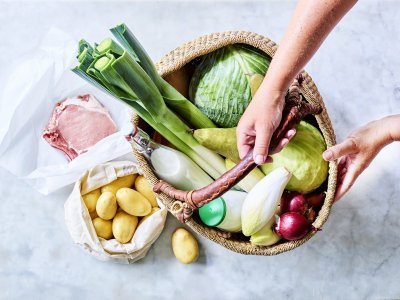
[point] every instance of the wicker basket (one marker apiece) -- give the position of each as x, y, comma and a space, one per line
175, 68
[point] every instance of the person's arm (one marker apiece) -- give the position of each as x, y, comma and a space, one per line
312, 21
360, 148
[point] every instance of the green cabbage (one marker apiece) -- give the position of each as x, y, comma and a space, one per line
225, 81
303, 158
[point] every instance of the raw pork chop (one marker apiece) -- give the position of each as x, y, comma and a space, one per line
77, 124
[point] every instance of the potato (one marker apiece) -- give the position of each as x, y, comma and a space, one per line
133, 202
153, 210
90, 200
106, 206
184, 246
103, 228
121, 182
143, 187
124, 226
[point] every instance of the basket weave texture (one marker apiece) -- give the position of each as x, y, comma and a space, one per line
183, 55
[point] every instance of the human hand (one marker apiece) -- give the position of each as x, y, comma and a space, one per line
259, 122
357, 151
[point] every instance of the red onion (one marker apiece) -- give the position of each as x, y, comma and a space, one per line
293, 226
316, 199
293, 202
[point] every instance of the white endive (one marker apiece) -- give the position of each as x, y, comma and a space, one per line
262, 201
266, 236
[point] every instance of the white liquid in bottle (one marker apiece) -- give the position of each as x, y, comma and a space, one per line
177, 169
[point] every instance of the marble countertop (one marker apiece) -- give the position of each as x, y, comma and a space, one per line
356, 256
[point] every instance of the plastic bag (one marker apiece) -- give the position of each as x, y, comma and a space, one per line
80, 225
28, 98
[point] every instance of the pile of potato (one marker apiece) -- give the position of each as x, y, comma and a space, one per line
119, 207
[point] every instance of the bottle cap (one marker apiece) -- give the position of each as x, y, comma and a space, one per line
213, 213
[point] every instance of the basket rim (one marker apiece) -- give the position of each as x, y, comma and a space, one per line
184, 54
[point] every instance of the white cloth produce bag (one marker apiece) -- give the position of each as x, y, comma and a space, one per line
27, 99
81, 228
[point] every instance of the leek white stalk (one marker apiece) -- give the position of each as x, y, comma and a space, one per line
261, 202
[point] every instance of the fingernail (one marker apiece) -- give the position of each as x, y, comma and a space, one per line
292, 133
327, 155
260, 159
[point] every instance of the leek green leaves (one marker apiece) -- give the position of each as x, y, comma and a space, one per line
128, 74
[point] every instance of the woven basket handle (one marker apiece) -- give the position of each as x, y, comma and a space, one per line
294, 111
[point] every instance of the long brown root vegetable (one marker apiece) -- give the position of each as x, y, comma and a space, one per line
294, 111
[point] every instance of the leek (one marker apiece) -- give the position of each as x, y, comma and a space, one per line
123, 75
178, 103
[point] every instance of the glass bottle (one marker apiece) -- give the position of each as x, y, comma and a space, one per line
179, 170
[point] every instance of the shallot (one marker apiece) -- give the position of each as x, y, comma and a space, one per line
293, 202
316, 199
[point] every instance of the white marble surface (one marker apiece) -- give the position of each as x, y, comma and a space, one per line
356, 256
